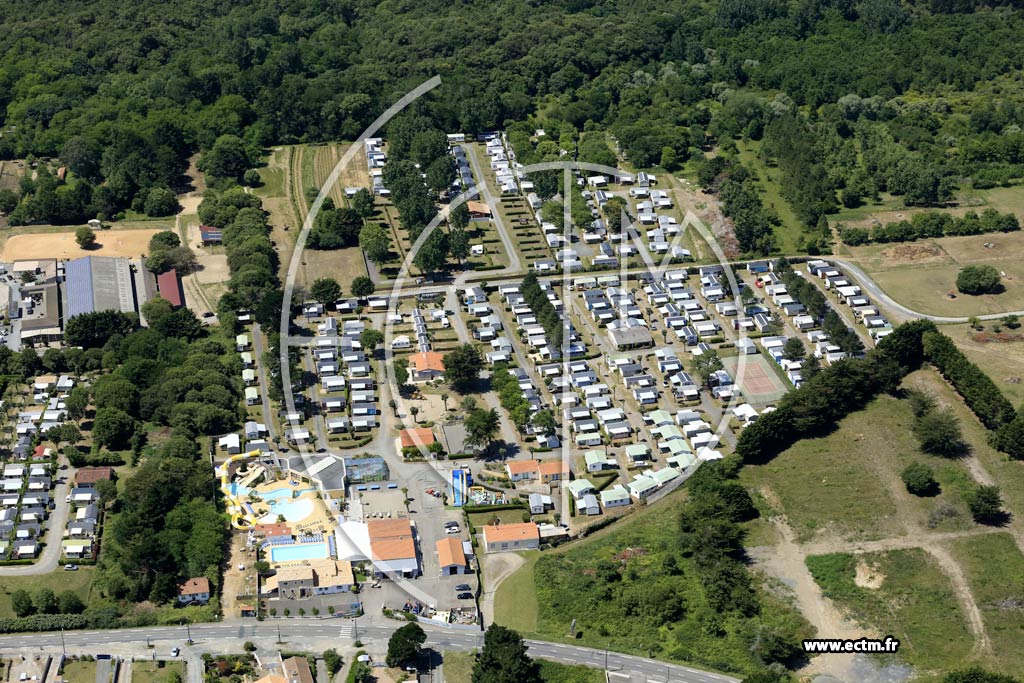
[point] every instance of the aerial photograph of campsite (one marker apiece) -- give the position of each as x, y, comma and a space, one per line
560, 341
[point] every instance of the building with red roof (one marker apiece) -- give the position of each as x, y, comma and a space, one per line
169, 286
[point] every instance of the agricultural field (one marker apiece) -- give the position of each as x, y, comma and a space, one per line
291, 177
922, 275
902, 593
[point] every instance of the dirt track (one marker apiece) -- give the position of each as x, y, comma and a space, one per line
62, 245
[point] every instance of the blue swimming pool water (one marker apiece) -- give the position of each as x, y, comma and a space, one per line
272, 497
302, 551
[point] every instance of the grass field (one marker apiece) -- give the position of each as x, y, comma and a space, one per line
79, 672
458, 667
58, 581
515, 604
1008, 474
789, 236
825, 484
914, 602
999, 594
921, 274
156, 672
1003, 361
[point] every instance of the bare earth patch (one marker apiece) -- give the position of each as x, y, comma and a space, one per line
61, 245
915, 253
869, 577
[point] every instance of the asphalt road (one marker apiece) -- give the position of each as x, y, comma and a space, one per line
58, 519
879, 295
227, 637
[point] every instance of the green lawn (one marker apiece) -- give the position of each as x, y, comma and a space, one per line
998, 593
156, 672
515, 604
58, 581
458, 667
628, 589
480, 519
79, 672
915, 603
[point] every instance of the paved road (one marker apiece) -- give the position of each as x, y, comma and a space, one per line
50, 557
514, 261
261, 372
879, 295
229, 636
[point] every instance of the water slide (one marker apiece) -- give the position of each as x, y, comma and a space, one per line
241, 512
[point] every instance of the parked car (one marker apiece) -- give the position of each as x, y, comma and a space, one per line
465, 596
463, 587
71, 567
452, 530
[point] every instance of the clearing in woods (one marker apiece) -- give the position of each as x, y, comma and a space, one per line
289, 173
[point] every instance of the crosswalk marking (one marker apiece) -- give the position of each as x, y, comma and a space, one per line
346, 629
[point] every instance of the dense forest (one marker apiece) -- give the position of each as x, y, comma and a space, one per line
849, 98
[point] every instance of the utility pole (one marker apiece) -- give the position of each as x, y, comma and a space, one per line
62, 646
279, 634
188, 630
355, 628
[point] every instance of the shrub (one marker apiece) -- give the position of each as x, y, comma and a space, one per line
920, 479
985, 504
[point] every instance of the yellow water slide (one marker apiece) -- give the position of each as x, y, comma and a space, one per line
240, 518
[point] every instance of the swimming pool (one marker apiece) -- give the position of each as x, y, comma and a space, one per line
272, 496
299, 551
292, 511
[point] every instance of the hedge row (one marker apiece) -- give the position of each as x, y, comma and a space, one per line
977, 389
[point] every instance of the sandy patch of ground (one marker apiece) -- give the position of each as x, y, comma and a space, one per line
61, 245
213, 261
868, 576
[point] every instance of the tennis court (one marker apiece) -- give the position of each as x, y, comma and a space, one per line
759, 382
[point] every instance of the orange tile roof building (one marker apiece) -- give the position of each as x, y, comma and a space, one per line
425, 366
452, 556
506, 537
393, 547
552, 471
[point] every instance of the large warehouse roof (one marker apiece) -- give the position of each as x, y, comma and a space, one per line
99, 283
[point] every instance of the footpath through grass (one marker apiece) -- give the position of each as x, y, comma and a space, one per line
902, 593
995, 571
515, 604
